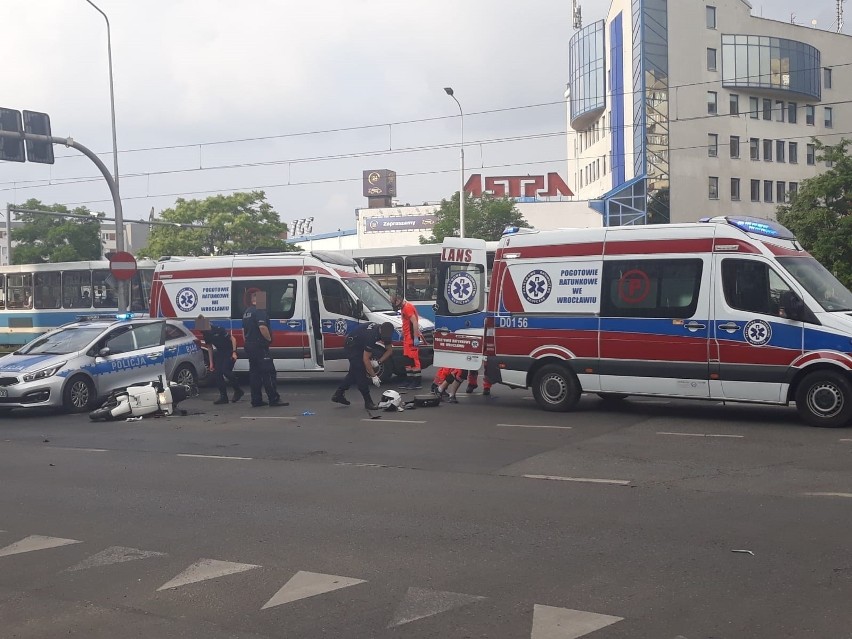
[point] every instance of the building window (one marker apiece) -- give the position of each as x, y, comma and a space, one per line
712, 145
735, 189
810, 114
811, 155
711, 17
826, 78
767, 150
794, 152
792, 109
755, 190
829, 117
754, 148
780, 110
712, 106
780, 192
711, 59
767, 109
735, 147
713, 191
754, 108
779, 150
767, 190
792, 190
734, 103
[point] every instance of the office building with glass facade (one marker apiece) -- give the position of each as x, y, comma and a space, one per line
688, 109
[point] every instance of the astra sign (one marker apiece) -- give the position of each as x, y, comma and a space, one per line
518, 186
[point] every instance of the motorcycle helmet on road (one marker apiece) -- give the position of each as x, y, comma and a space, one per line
391, 401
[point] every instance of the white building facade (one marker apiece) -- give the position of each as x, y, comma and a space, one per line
688, 109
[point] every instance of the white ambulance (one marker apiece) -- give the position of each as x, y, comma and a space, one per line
731, 308
313, 300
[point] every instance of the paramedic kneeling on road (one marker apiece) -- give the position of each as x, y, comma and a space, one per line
366, 346
261, 367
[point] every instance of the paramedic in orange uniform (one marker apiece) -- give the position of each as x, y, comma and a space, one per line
410, 341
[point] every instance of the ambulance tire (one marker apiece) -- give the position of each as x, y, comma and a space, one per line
556, 388
78, 395
824, 399
613, 398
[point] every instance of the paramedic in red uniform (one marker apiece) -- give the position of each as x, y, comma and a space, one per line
410, 341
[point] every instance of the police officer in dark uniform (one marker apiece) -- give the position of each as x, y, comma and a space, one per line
222, 352
261, 367
367, 345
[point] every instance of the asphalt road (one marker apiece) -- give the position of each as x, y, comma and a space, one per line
649, 519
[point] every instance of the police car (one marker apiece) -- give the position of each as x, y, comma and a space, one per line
75, 365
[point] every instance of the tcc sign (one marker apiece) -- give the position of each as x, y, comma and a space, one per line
533, 186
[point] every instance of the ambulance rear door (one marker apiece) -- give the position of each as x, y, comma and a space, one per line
461, 299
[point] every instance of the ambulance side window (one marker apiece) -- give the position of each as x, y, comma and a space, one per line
280, 297
336, 298
651, 288
754, 287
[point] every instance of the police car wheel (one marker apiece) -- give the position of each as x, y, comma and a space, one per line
556, 388
78, 394
824, 399
185, 374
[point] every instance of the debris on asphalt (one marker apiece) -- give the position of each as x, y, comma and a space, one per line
744, 552
45, 441
134, 419
308, 413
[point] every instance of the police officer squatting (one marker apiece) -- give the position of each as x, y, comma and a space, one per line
366, 347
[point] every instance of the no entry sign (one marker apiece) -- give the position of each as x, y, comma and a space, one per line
122, 265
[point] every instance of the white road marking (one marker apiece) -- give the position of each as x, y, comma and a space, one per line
534, 426
848, 495
86, 450
395, 421
357, 464
267, 417
213, 456
846, 440
420, 603
564, 623
114, 555
309, 584
619, 482
35, 542
205, 569
701, 435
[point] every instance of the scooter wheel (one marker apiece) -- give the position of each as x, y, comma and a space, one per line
101, 413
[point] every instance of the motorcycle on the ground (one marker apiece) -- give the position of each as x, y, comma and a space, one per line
150, 398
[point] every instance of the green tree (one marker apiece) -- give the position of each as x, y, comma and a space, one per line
235, 223
48, 238
820, 214
484, 218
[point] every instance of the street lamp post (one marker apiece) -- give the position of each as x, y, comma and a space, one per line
449, 91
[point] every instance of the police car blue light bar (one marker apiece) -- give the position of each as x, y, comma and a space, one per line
510, 230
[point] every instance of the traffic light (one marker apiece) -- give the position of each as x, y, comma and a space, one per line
11, 150
38, 124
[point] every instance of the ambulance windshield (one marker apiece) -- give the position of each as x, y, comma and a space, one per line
374, 297
819, 282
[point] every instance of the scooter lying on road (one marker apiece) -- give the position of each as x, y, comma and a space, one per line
151, 398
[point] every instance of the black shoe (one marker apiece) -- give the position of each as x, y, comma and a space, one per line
278, 402
470, 388
406, 385
222, 400
238, 395
338, 398
414, 385
253, 405
370, 406
452, 400
486, 391
434, 388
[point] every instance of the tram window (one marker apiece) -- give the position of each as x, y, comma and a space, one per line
19, 290
421, 278
387, 272
143, 280
2, 291
77, 289
47, 290
103, 293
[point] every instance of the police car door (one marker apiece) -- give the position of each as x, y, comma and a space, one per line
460, 313
130, 355
754, 343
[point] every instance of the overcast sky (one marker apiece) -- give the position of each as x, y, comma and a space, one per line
315, 80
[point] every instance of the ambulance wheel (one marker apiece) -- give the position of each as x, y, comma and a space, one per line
78, 394
613, 397
824, 399
185, 374
556, 388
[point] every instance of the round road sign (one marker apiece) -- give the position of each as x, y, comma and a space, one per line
122, 265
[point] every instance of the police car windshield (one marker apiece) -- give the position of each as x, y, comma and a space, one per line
374, 297
62, 342
819, 282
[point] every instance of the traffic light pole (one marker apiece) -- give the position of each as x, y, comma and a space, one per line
113, 189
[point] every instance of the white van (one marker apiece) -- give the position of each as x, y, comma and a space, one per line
313, 299
730, 308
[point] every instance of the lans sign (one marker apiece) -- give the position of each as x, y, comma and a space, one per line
550, 185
